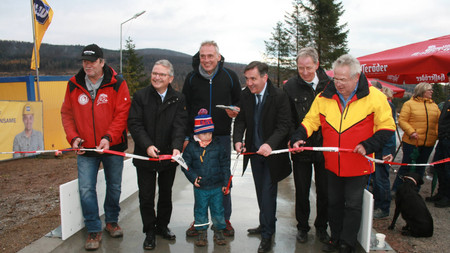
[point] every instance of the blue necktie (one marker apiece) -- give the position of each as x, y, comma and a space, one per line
257, 142
258, 96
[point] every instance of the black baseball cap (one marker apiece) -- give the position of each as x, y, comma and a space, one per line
91, 52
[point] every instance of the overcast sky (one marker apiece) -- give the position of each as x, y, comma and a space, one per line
238, 26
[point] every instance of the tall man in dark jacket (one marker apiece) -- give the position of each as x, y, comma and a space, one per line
442, 198
265, 118
208, 85
302, 89
157, 123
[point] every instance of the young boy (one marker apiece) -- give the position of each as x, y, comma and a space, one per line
209, 171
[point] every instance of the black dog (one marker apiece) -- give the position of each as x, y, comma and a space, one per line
410, 204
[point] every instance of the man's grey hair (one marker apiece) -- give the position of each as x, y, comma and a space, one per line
167, 64
308, 52
351, 62
210, 43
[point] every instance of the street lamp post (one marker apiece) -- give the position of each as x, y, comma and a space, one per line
135, 16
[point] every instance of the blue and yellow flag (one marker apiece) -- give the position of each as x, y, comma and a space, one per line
42, 18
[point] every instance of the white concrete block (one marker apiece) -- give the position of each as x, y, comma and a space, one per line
71, 215
366, 221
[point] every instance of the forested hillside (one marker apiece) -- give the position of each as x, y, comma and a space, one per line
15, 57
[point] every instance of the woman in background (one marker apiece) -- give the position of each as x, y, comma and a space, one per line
419, 120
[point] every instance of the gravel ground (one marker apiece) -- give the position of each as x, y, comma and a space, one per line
439, 242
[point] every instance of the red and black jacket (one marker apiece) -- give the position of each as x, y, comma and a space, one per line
104, 117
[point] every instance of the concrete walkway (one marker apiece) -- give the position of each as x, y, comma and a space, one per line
244, 216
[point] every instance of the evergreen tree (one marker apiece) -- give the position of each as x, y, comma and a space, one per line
134, 68
298, 28
278, 51
316, 23
439, 94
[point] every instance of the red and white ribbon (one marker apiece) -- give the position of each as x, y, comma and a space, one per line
181, 161
336, 149
176, 158
408, 164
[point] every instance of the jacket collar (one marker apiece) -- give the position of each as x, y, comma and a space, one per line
422, 99
169, 94
324, 79
108, 72
267, 94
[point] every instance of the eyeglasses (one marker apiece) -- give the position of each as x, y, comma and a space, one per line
159, 74
339, 80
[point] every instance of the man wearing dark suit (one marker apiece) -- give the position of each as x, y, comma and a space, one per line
157, 123
265, 117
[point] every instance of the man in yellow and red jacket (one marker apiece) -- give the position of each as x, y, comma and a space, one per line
353, 115
94, 115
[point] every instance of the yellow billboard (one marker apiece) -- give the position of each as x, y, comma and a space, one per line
21, 128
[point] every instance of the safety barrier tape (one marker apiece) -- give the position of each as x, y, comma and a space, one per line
336, 149
180, 160
177, 158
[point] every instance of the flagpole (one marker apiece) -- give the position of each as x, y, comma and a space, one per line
33, 22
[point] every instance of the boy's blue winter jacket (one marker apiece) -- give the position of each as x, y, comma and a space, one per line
211, 163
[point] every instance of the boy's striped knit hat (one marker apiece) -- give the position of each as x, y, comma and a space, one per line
203, 122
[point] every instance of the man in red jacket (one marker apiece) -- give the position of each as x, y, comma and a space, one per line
94, 115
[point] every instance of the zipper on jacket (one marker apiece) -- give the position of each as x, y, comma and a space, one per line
93, 121
210, 95
339, 143
93, 114
210, 91
346, 110
202, 155
426, 113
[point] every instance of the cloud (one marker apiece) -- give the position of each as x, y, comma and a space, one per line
384, 24
240, 27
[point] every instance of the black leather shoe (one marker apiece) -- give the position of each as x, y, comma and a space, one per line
255, 231
443, 202
302, 236
345, 248
323, 236
265, 245
330, 246
165, 233
150, 242
434, 198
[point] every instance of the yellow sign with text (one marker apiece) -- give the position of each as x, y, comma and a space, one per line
21, 128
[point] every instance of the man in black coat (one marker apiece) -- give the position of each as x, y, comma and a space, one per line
265, 117
442, 198
157, 123
302, 89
